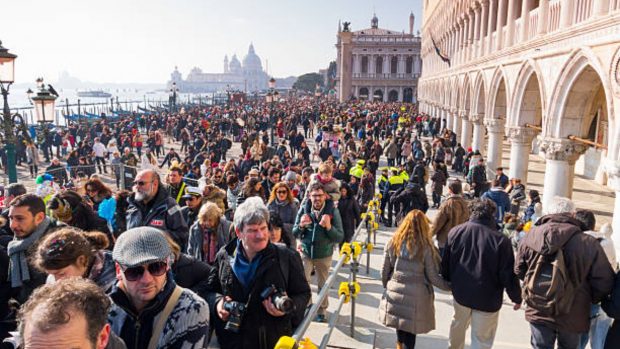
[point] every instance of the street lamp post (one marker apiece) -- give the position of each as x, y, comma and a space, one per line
272, 97
44, 104
172, 100
7, 77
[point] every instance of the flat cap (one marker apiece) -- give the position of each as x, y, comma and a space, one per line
139, 246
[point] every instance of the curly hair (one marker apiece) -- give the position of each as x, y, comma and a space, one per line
64, 246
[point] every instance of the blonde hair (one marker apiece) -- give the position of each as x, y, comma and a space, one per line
325, 168
209, 210
414, 232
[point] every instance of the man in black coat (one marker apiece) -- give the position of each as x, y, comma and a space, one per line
478, 261
411, 197
245, 270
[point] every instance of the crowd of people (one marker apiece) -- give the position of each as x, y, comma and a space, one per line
176, 246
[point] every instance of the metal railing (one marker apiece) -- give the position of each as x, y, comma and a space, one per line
347, 291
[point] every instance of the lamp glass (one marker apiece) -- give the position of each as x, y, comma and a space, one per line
7, 70
44, 109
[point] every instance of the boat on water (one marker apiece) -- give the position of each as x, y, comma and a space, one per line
94, 94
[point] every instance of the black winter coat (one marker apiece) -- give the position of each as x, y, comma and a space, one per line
350, 213
479, 261
612, 308
259, 330
411, 197
192, 274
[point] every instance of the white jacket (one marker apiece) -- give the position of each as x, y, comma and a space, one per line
604, 237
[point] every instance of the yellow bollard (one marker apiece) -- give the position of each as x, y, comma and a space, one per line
286, 342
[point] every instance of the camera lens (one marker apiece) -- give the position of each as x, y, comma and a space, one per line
284, 304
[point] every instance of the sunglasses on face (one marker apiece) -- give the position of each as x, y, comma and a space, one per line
136, 273
140, 183
282, 192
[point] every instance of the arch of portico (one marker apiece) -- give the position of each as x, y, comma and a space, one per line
579, 105
527, 108
495, 117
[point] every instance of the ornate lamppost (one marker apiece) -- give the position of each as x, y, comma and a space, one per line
44, 106
7, 77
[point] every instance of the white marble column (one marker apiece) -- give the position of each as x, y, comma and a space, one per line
492, 10
495, 128
520, 139
567, 12
600, 7
543, 17
613, 174
465, 131
560, 155
478, 140
448, 119
456, 122
470, 35
510, 23
500, 24
525, 20
477, 31
482, 40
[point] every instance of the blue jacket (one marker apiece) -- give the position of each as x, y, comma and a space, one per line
502, 201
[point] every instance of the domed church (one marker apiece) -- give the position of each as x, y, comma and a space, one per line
248, 77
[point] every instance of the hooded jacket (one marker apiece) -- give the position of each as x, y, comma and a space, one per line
586, 264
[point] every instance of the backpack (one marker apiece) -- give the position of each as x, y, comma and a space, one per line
547, 286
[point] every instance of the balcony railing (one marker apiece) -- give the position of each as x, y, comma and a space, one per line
555, 6
532, 29
583, 10
373, 76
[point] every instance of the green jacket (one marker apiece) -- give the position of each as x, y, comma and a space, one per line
316, 242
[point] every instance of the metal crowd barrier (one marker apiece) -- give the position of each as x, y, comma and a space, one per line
347, 290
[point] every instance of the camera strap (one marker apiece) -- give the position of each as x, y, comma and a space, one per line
163, 316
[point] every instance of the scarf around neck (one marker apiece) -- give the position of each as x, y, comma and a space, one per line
18, 267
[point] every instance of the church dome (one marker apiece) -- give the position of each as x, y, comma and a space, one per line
235, 65
251, 62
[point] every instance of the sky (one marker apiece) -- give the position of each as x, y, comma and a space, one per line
141, 41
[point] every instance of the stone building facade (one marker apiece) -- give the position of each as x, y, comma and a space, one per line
247, 77
551, 64
378, 64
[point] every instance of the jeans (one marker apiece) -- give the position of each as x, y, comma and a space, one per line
544, 337
599, 325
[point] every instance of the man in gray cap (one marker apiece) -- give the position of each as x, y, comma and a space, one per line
150, 310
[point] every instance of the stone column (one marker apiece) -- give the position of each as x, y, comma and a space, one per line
478, 141
600, 7
567, 12
495, 128
510, 23
489, 46
613, 173
386, 65
447, 116
465, 131
560, 155
459, 45
456, 122
471, 35
543, 17
483, 28
525, 19
520, 139
500, 24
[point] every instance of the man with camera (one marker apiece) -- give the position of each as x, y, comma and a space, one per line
257, 289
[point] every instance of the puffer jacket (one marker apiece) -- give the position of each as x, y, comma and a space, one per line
408, 301
501, 200
316, 241
164, 214
452, 212
585, 261
196, 238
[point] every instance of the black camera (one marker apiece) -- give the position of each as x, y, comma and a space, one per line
281, 301
236, 310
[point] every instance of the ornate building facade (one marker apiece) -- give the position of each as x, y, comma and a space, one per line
248, 77
543, 75
378, 64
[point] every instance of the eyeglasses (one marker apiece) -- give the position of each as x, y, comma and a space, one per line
136, 273
140, 183
281, 192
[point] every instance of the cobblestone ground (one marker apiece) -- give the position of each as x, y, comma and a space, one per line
513, 330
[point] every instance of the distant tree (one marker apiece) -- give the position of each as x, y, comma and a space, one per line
308, 82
